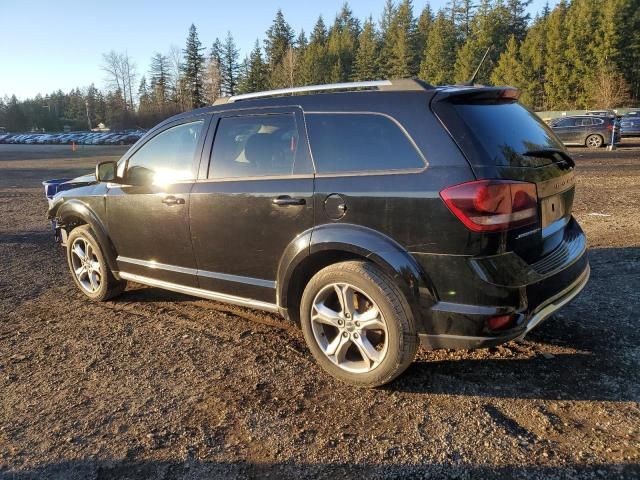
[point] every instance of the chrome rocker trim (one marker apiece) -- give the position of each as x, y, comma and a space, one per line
198, 292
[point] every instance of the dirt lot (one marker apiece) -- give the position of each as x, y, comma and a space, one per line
157, 384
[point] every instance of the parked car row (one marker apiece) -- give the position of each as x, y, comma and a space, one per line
630, 124
592, 131
79, 138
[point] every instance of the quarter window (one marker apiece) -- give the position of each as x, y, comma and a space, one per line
254, 145
356, 142
167, 157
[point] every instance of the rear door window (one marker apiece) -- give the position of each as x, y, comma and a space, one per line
343, 143
254, 146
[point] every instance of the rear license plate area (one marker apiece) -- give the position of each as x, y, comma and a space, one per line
553, 208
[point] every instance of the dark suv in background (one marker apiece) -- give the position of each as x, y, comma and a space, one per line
591, 131
377, 215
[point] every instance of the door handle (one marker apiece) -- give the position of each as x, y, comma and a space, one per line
284, 200
171, 200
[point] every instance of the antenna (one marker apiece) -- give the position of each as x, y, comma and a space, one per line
469, 82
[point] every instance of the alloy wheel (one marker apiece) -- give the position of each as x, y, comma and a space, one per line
86, 266
349, 328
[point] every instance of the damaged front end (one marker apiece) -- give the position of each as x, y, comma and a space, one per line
52, 189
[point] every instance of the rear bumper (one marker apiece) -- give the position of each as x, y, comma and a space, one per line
541, 313
473, 290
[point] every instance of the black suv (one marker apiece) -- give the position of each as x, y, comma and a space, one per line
585, 130
376, 214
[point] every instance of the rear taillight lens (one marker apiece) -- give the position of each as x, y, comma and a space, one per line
493, 205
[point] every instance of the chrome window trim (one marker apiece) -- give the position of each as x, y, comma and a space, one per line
194, 271
198, 292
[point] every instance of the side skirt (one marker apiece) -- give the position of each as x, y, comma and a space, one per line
198, 292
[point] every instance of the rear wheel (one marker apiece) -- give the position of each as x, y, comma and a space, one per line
88, 267
594, 141
357, 324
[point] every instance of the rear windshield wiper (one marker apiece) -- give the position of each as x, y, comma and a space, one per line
551, 153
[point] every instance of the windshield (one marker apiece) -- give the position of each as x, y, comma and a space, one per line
504, 133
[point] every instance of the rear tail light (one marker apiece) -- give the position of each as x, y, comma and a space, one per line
493, 205
500, 322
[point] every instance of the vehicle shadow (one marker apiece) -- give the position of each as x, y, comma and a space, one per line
192, 468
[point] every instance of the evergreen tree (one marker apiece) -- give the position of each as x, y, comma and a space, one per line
193, 69
558, 74
518, 18
213, 76
255, 79
230, 66
488, 30
279, 39
159, 75
313, 69
438, 62
509, 69
342, 44
533, 53
402, 58
366, 61
424, 25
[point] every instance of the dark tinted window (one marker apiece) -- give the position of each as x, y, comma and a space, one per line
500, 133
359, 142
167, 157
565, 122
254, 145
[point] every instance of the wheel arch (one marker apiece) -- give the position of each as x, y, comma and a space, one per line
328, 244
74, 212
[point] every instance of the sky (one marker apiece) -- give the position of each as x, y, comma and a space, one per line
48, 45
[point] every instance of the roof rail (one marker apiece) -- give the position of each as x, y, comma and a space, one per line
405, 84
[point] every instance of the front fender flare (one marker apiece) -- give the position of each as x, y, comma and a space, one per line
76, 209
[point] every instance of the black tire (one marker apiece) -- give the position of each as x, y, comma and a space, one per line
108, 286
594, 141
401, 337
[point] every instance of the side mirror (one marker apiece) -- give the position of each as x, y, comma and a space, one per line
106, 171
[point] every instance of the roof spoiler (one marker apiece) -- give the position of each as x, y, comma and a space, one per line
477, 94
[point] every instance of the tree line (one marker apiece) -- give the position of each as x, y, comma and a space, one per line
579, 54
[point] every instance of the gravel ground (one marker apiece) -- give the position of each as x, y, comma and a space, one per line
161, 385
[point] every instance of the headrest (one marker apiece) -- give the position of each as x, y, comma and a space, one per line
260, 148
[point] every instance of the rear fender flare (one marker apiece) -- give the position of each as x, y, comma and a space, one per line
363, 242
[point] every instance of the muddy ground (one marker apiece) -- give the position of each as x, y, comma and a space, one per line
161, 385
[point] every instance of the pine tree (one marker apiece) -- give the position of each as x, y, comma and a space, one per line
313, 68
509, 69
145, 102
488, 31
255, 79
365, 67
229, 66
401, 61
159, 75
193, 69
558, 75
438, 62
213, 75
342, 44
533, 53
279, 39
424, 25
517, 18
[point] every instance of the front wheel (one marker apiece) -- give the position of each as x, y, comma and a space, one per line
358, 324
89, 269
594, 141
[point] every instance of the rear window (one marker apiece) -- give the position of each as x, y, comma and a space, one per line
357, 142
501, 133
